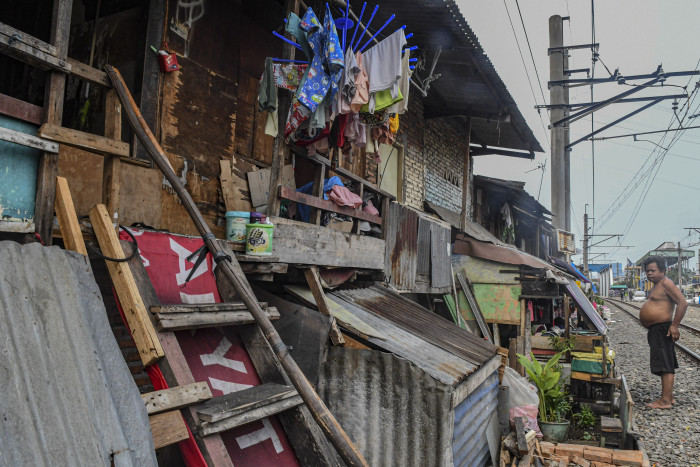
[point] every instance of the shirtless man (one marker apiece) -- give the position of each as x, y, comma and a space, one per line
656, 316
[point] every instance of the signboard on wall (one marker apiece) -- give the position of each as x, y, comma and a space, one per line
565, 242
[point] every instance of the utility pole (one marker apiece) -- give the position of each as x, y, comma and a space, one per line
557, 99
680, 267
585, 244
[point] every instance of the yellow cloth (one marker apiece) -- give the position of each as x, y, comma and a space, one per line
394, 124
596, 356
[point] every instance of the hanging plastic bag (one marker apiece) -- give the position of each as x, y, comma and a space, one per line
521, 392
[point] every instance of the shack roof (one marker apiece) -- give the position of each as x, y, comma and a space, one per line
468, 82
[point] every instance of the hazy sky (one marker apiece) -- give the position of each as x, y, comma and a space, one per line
634, 36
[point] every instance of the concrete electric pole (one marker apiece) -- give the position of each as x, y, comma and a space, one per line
585, 244
557, 100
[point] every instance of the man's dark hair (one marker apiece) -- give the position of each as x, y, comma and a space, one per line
660, 263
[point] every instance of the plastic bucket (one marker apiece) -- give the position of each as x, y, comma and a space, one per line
259, 239
236, 226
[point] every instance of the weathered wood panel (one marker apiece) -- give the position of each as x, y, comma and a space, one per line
440, 266
401, 226
498, 303
302, 243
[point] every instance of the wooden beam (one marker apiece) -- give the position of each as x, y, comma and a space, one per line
54, 90
319, 182
28, 49
68, 219
88, 73
314, 282
85, 141
176, 398
20, 110
135, 312
202, 307
183, 321
465, 178
112, 164
168, 428
320, 203
24, 139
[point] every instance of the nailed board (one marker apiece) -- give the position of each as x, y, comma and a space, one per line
183, 321
176, 398
235, 403
168, 428
301, 243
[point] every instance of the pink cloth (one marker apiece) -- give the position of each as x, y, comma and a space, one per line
344, 197
370, 209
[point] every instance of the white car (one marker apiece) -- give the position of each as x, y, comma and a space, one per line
639, 296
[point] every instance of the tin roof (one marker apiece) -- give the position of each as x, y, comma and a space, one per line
468, 81
420, 322
67, 394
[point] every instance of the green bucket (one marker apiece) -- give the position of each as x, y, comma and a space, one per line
259, 239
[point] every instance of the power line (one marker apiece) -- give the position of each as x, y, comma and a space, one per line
527, 73
527, 38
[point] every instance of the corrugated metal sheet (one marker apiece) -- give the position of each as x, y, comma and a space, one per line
468, 81
423, 266
394, 412
417, 320
441, 365
401, 246
440, 265
67, 394
471, 418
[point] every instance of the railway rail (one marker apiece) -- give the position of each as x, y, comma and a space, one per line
690, 341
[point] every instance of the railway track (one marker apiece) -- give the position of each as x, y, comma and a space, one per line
689, 342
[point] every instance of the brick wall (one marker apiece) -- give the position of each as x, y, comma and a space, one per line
433, 159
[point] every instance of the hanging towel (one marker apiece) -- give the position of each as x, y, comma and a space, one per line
383, 65
267, 97
294, 28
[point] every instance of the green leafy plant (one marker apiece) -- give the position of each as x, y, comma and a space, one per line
562, 344
585, 418
546, 379
586, 436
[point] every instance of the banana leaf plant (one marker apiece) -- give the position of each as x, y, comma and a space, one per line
546, 378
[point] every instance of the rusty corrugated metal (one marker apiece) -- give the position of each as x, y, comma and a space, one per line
423, 266
401, 246
67, 394
465, 86
421, 322
440, 270
395, 413
472, 416
438, 363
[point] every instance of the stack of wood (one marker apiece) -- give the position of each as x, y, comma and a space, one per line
522, 449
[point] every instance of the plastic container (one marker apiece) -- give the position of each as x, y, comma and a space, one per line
259, 239
236, 226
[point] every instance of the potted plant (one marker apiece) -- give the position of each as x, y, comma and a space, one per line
553, 401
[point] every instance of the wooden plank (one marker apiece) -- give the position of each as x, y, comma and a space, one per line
20, 110
242, 258
168, 428
474, 306
610, 424
112, 164
234, 403
293, 195
176, 398
314, 282
176, 370
301, 243
68, 219
182, 321
24, 51
319, 181
54, 91
82, 140
142, 329
259, 413
227, 188
520, 434
88, 73
202, 307
24, 139
24, 38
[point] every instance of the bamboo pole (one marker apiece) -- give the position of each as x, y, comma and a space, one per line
232, 270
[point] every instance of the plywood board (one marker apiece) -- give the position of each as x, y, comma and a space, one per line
259, 183
168, 428
499, 303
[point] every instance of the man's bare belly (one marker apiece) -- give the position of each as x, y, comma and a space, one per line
656, 311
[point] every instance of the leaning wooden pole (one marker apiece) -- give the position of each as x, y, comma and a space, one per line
333, 431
